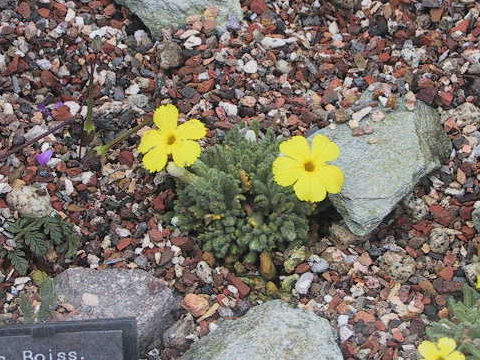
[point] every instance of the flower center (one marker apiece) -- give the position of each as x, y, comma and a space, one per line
171, 140
309, 166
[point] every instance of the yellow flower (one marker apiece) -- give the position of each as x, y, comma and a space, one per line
171, 139
478, 282
304, 166
443, 349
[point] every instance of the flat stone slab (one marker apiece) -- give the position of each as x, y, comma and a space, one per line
116, 293
383, 167
158, 14
273, 330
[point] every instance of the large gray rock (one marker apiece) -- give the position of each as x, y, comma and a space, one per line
273, 330
383, 167
116, 293
158, 14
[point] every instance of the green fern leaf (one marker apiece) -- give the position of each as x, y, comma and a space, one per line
17, 259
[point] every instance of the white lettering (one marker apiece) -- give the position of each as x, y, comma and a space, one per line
72, 355
3, 357
39, 357
27, 355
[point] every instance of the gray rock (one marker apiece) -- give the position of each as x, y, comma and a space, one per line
397, 265
181, 334
158, 14
139, 100
29, 201
342, 236
476, 218
467, 113
383, 167
439, 240
273, 330
169, 55
115, 293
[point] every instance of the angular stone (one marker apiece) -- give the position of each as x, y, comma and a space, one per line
273, 330
383, 167
169, 55
116, 293
158, 14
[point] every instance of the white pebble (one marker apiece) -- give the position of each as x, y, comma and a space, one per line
272, 43
360, 114
342, 320
70, 15
122, 232
21, 280
44, 64
318, 264
8, 108
5, 188
73, 106
303, 283
232, 289
192, 42
251, 67
345, 333
333, 28
204, 272
133, 89
230, 109
69, 187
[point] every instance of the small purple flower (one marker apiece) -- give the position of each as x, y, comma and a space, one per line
58, 104
43, 109
44, 157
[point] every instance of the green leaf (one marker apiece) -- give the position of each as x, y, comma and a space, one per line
26, 308
48, 300
20, 224
37, 243
52, 227
17, 258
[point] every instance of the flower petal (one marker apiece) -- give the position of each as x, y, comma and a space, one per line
44, 157
446, 346
428, 350
323, 149
192, 129
297, 148
155, 159
309, 187
286, 170
456, 355
185, 152
150, 139
332, 177
165, 117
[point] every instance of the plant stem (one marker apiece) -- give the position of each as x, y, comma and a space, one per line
89, 125
180, 173
36, 139
103, 149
